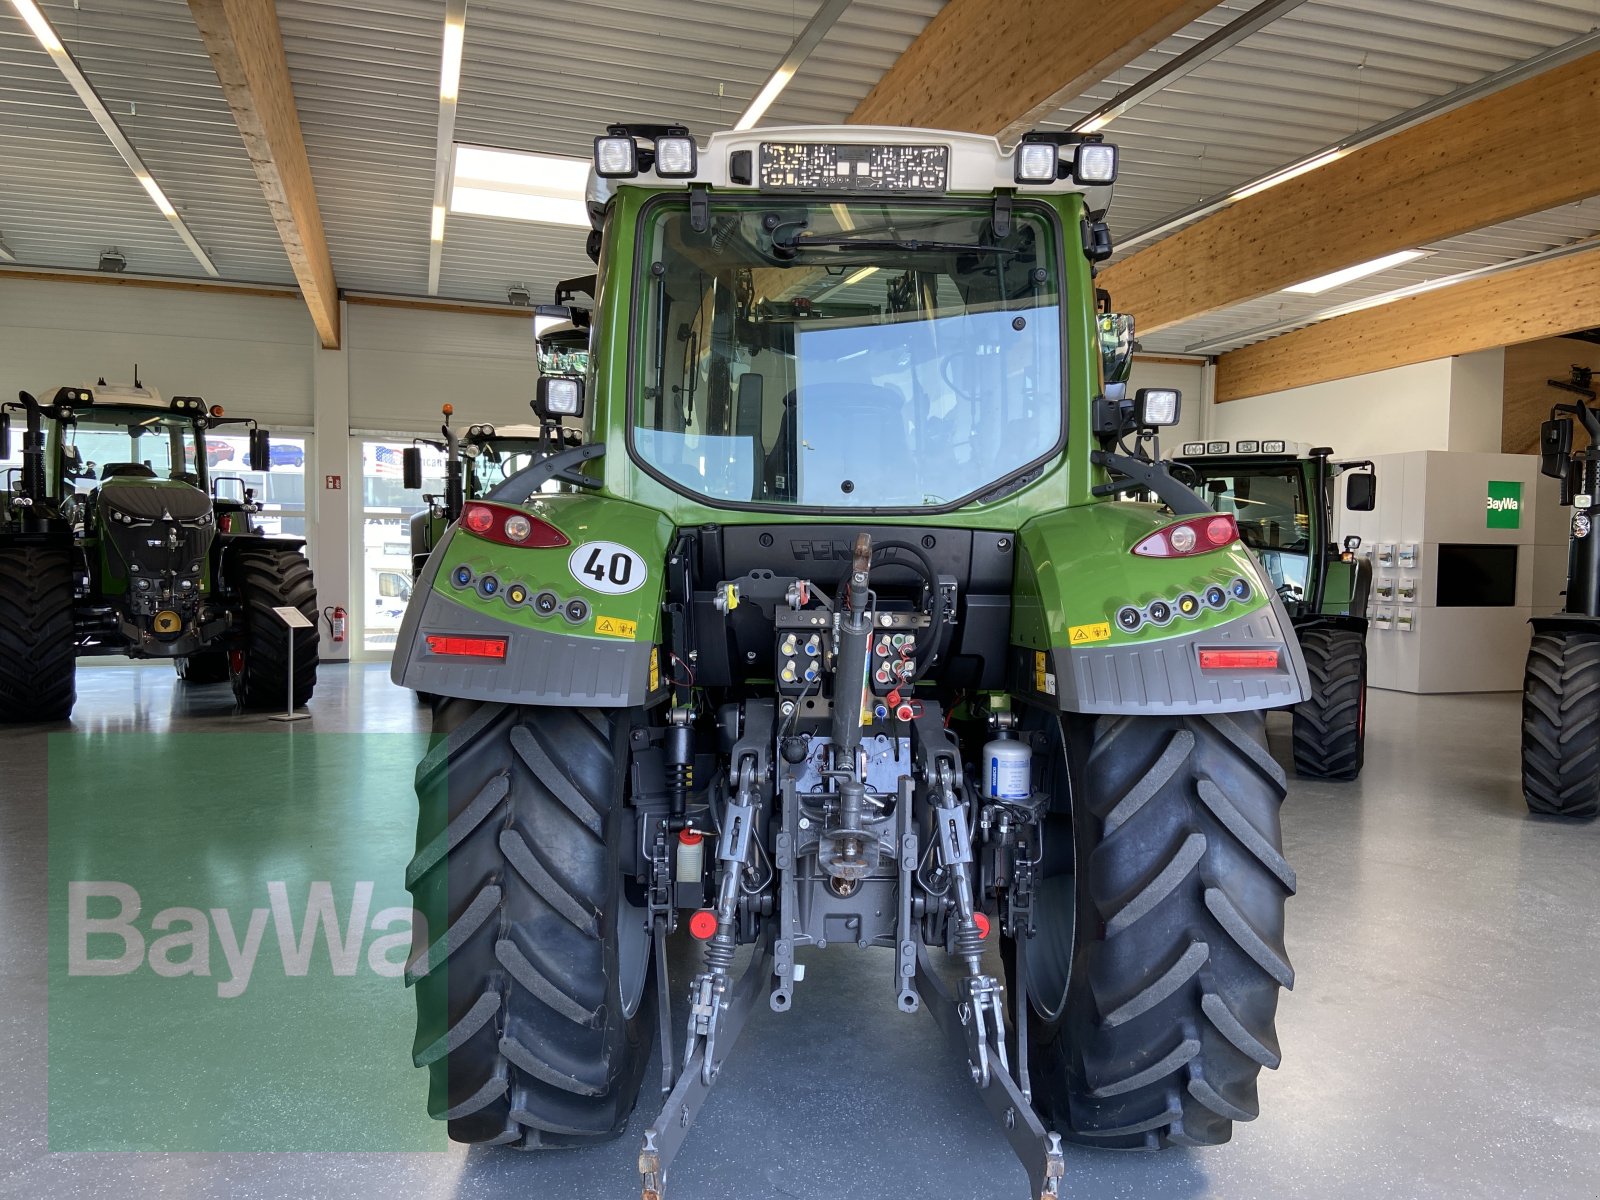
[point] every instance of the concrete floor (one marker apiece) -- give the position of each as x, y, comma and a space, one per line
1441, 1040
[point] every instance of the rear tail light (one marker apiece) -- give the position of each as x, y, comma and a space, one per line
511, 526
466, 647
1238, 660
1196, 535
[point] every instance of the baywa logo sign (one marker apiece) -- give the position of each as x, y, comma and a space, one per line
182, 940
1505, 505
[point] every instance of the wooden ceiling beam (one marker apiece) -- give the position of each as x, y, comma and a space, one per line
246, 47
984, 65
1525, 149
1545, 299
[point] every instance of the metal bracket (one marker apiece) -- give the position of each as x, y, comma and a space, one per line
663, 1003
665, 1136
1038, 1148
561, 465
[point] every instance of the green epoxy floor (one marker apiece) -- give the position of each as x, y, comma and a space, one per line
1440, 1041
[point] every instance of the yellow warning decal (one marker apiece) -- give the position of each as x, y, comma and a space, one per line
1082, 635
655, 668
615, 627
1039, 670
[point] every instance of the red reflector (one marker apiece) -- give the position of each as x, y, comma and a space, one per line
1238, 660
491, 521
982, 922
466, 647
703, 924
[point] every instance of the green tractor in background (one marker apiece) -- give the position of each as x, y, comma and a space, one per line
113, 540
1283, 502
836, 632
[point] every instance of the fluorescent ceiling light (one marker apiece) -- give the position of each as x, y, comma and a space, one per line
1325, 283
1095, 124
1288, 173
519, 186
436, 232
156, 194
36, 22
764, 98
859, 276
450, 67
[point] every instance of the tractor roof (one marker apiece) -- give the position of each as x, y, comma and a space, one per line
973, 163
76, 395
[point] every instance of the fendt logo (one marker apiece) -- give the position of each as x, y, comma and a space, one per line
178, 941
820, 551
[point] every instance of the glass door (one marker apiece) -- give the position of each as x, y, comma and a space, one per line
383, 576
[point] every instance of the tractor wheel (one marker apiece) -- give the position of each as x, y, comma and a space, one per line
1330, 724
38, 664
1154, 972
531, 1017
1561, 725
203, 667
269, 578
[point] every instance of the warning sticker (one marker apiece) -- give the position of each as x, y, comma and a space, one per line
615, 627
1082, 635
655, 669
1039, 671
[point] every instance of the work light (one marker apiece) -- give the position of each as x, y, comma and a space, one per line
675, 157
1095, 162
1037, 161
1153, 407
615, 157
556, 398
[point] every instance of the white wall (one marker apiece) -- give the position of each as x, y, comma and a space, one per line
251, 354
1387, 412
405, 363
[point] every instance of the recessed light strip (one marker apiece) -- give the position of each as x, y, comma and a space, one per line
452, 47
1262, 332
1326, 283
46, 35
816, 29
1557, 56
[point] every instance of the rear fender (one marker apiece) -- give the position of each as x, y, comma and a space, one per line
1076, 573
596, 647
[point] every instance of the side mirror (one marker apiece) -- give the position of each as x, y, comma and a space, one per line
558, 397
5, 435
1156, 407
260, 450
1555, 448
1116, 348
411, 468
1361, 492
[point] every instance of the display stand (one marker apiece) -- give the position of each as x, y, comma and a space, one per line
292, 619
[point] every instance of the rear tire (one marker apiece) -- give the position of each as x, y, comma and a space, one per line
531, 1010
1154, 974
38, 663
268, 578
1330, 723
1561, 724
203, 667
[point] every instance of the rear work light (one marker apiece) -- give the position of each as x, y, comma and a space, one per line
1238, 660
466, 647
1196, 535
511, 526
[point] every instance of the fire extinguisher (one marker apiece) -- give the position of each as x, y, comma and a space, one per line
336, 618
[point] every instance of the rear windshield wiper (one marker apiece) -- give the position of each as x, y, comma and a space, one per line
914, 245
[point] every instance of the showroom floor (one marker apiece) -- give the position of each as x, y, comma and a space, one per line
1440, 1041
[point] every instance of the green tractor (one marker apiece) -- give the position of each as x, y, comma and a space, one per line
114, 540
837, 633
1282, 500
